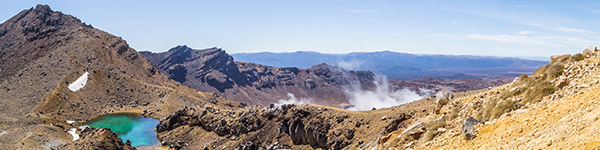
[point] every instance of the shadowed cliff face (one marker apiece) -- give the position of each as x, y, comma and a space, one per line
213, 70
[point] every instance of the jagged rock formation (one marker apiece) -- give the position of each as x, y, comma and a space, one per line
42, 52
286, 126
98, 139
213, 70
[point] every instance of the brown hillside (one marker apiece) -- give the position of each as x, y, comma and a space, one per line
43, 51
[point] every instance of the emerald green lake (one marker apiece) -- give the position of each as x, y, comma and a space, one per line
133, 127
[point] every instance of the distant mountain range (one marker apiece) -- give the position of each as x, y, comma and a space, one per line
401, 66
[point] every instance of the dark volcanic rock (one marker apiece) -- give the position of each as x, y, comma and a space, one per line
213, 70
397, 123
468, 128
260, 128
99, 139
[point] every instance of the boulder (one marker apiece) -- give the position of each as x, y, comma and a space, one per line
468, 128
443, 95
589, 50
397, 123
592, 48
561, 83
441, 99
557, 57
415, 131
277, 146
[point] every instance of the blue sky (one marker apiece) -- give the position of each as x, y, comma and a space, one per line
538, 28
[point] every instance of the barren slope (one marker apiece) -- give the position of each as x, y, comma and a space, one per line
566, 119
42, 52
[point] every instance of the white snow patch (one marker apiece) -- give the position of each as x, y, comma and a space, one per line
83, 127
70, 121
73, 132
79, 83
2, 133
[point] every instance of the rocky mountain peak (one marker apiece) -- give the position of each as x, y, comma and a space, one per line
38, 23
182, 53
180, 48
42, 9
43, 15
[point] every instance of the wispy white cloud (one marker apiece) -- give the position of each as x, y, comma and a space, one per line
538, 40
596, 11
441, 35
560, 28
362, 32
573, 30
454, 23
395, 34
363, 11
546, 21
368, 11
526, 32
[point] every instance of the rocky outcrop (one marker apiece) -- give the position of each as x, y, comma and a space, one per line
99, 139
261, 128
211, 119
414, 131
398, 123
590, 50
468, 128
213, 70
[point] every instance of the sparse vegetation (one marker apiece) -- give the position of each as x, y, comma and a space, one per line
527, 89
577, 57
431, 129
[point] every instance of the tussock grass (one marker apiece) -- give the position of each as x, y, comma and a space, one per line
431, 129
527, 89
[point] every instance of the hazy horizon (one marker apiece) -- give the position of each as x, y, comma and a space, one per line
536, 29
539, 58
